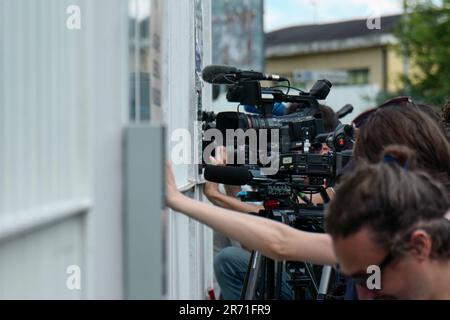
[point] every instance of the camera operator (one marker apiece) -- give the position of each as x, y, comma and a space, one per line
395, 122
390, 216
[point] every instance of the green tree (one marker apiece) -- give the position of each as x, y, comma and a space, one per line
424, 36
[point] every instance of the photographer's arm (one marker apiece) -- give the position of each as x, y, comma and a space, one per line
232, 191
212, 192
272, 239
228, 201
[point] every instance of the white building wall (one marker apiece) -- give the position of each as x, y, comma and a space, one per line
63, 97
63, 108
190, 250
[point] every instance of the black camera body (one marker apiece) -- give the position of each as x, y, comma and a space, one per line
301, 167
250, 92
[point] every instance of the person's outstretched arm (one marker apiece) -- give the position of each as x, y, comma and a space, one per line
273, 239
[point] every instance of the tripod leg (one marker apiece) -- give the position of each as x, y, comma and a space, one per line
301, 280
251, 278
247, 274
279, 280
270, 279
324, 282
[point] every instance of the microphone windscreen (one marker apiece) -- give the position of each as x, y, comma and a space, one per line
347, 109
233, 176
216, 74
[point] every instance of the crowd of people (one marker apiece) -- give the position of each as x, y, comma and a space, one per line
391, 209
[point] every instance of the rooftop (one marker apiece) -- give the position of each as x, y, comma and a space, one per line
330, 36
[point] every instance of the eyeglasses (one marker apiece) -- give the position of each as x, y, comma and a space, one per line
399, 101
361, 278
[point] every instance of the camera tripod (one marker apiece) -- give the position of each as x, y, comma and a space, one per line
263, 280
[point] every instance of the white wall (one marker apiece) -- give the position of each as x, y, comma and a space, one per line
189, 243
63, 107
63, 100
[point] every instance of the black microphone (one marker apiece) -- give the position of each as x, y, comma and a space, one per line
321, 89
232, 176
345, 110
219, 74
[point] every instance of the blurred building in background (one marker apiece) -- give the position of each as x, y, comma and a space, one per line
238, 33
237, 40
359, 61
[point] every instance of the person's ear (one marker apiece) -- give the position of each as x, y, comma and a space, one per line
421, 244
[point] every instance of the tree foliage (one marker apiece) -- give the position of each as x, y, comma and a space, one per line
424, 36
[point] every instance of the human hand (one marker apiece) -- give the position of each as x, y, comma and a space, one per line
221, 157
172, 192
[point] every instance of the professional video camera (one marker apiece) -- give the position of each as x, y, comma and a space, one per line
296, 153
301, 168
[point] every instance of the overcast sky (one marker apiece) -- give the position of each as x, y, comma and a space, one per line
279, 14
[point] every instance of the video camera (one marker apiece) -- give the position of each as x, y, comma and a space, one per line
300, 136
